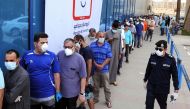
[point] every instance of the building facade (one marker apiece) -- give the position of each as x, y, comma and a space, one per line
167, 7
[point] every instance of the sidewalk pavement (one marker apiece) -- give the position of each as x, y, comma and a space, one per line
130, 94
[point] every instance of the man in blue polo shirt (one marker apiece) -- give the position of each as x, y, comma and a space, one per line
43, 68
102, 54
139, 29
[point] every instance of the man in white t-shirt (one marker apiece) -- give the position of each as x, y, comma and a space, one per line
2, 86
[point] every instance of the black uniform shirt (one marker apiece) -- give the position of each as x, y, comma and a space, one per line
158, 73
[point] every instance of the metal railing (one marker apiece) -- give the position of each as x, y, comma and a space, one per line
180, 67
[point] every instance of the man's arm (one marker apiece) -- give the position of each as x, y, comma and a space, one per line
82, 75
174, 73
13, 93
82, 84
106, 62
57, 81
1, 97
148, 71
89, 68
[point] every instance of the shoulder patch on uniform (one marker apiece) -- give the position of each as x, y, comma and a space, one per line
153, 53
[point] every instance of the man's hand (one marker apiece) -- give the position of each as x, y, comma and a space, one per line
120, 55
82, 98
58, 96
174, 96
145, 85
99, 66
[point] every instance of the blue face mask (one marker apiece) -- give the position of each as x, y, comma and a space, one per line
10, 65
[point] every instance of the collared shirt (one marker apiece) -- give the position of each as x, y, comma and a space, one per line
128, 37
163, 24
2, 84
133, 29
139, 29
73, 68
41, 68
159, 71
101, 53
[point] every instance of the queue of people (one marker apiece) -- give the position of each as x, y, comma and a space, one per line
45, 80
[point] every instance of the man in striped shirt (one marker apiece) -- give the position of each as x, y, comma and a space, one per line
102, 54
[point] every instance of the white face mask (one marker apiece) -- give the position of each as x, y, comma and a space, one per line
101, 40
92, 38
44, 47
137, 23
10, 65
68, 52
114, 31
78, 45
159, 53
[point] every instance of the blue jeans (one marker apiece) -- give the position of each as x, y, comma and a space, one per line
138, 40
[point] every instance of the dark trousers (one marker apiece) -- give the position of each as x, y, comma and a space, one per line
41, 106
138, 40
162, 31
150, 33
145, 36
67, 103
126, 51
161, 99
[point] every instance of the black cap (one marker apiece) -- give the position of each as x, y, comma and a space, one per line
161, 43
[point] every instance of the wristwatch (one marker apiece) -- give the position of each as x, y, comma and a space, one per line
82, 93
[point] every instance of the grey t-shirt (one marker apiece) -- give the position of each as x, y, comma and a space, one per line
73, 68
89, 39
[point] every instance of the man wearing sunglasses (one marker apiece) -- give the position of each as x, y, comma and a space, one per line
160, 68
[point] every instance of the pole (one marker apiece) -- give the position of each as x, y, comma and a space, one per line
172, 48
178, 10
106, 15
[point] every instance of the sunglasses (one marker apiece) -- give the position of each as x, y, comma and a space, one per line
160, 49
70, 47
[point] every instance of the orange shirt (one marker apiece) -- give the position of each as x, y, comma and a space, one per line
145, 26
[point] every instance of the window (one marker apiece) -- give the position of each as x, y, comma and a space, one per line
115, 10
13, 27
23, 20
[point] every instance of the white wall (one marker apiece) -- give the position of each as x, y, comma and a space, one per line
63, 19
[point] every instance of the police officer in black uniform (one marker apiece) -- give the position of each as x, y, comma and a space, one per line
160, 68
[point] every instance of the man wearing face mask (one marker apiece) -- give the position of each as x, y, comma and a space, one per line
91, 37
86, 52
160, 68
17, 90
43, 68
102, 55
113, 36
73, 76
